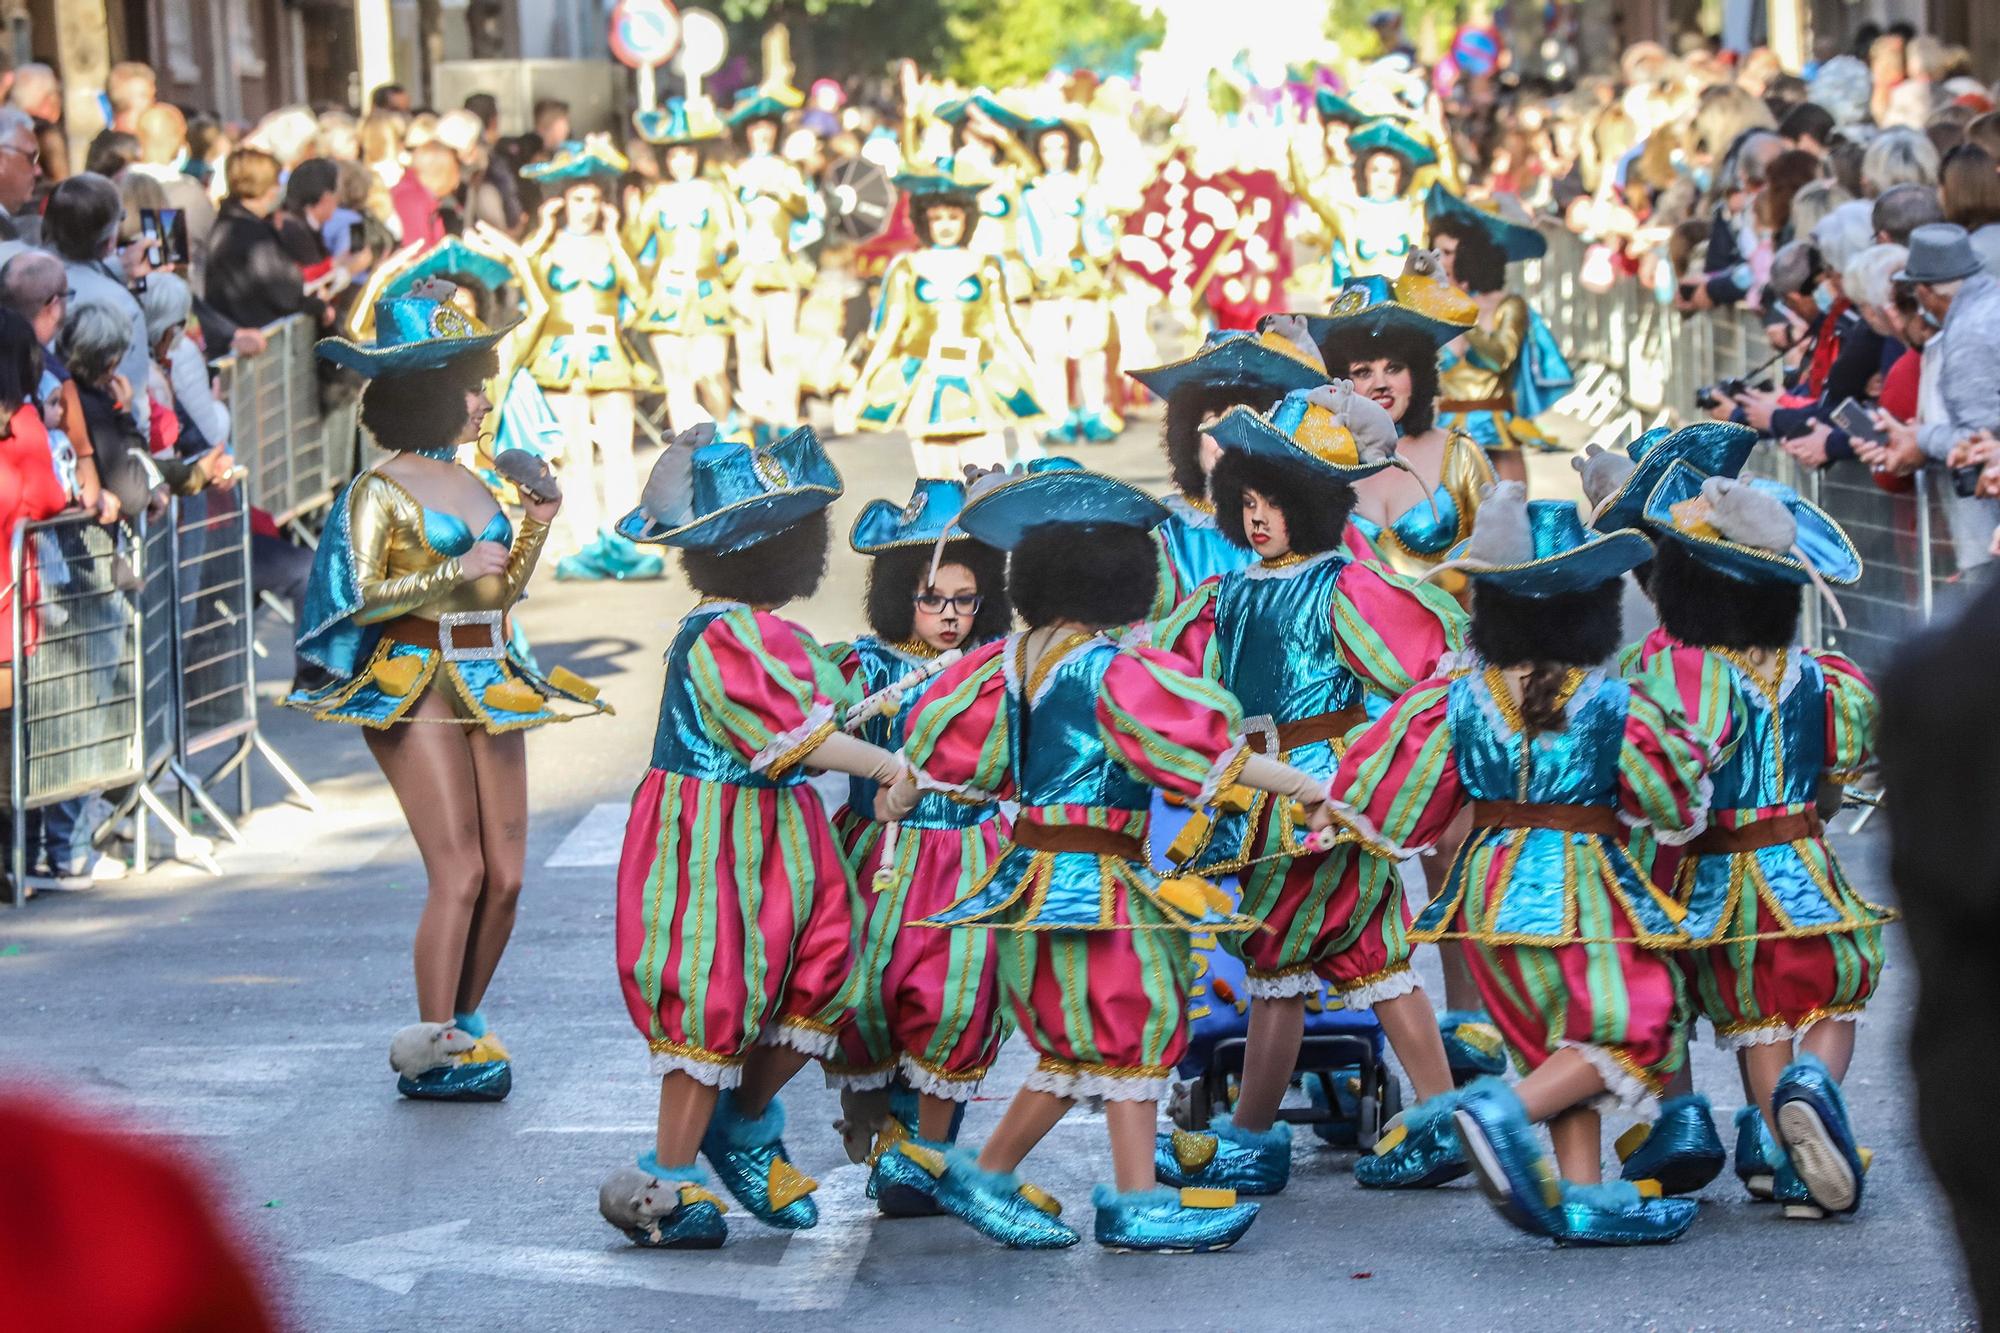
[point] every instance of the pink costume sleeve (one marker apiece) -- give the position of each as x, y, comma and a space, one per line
1393, 632
764, 689
1662, 765
1398, 785
1170, 727
958, 735
1850, 717
1188, 631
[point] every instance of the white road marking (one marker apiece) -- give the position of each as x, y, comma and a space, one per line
595, 841
204, 1091
814, 1272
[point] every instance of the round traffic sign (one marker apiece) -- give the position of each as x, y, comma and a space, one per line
704, 43
644, 32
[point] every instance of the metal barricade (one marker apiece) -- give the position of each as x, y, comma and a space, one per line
74, 726
296, 457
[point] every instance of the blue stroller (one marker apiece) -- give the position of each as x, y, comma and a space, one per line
1341, 1064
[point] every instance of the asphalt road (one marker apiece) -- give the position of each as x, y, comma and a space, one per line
248, 1018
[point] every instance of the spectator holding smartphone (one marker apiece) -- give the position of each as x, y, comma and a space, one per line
252, 278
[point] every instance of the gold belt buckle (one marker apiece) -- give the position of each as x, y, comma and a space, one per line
1264, 728
452, 621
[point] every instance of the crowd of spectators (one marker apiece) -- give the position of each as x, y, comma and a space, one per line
1850, 214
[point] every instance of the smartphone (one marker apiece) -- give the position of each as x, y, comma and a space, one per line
167, 229
1687, 290
1858, 422
149, 227
357, 235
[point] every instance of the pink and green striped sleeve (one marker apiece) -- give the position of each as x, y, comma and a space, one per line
1699, 688
1188, 630
1393, 632
1169, 727
1850, 717
1398, 785
765, 689
1662, 766
957, 737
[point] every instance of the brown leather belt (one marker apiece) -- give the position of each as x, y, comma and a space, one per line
1320, 727
1564, 818
1040, 837
1504, 403
1718, 841
421, 633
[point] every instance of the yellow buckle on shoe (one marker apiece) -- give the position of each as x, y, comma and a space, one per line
1481, 1037
691, 1194
930, 1159
1392, 1139
1195, 1197
1041, 1198
1649, 1189
1628, 1143
485, 1050
887, 1137
785, 1185
572, 684
1194, 1151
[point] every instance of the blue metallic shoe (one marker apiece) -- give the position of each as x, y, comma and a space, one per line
1757, 1153
749, 1158
623, 559
1066, 431
1098, 427
1473, 1047
585, 566
999, 1207
440, 1062
907, 1196
1790, 1193
663, 1208
1162, 1221
1620, 1212
1817, 1134
1517, 1176
1226, 1157
1418, 1150
1681, 1149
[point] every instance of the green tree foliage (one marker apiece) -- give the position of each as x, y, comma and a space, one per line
1001, 42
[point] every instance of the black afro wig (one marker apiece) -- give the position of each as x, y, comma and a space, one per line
1098, 574
779, 569
1180, 434
424, 409
1315, 505
1480, 265
920, 214
1343, 350
895, 578
1552, 634
1709, 609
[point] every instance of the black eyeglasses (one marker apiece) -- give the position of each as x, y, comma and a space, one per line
933, 603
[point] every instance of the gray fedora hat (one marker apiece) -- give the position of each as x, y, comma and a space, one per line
1939, 252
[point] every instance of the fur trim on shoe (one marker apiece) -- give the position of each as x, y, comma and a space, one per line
964, 1164
1107, 1196
691, 1174
739, 1131
1615, 1196
1279, 1135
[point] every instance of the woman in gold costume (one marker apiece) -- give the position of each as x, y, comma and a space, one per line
944, 359
1069, 242
407, 612
685, 228
1373, 199
580, 360
770, 199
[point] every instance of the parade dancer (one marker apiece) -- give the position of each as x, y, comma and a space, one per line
407, 610
1373, 202
734, 924
1231, 369
1079, 728
772, 198
944, 360
581, 361
927, 1019
1792, 953
1680, 1148
1385, 336
1068, 242
685, 229
1302, 637
1556, 757
1507, 369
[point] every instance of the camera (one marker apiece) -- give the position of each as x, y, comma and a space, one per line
1965, 481
1709, 396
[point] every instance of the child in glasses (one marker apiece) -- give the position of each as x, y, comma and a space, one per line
927, 1020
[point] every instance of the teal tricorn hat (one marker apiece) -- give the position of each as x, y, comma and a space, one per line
451, 256
592, 158
930, 516
1716, 448
1271, 359
710, 496
1332, 106
1386, 136
1002, 510
678, 122
418, 331
1517, 240
1751, 529
1541, 548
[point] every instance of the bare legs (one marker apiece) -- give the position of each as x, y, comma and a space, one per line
594, 424
1556, 1092
1270, 1052
1031, 1115
686, 1105
934, 1117
1411, 1025
465, 795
